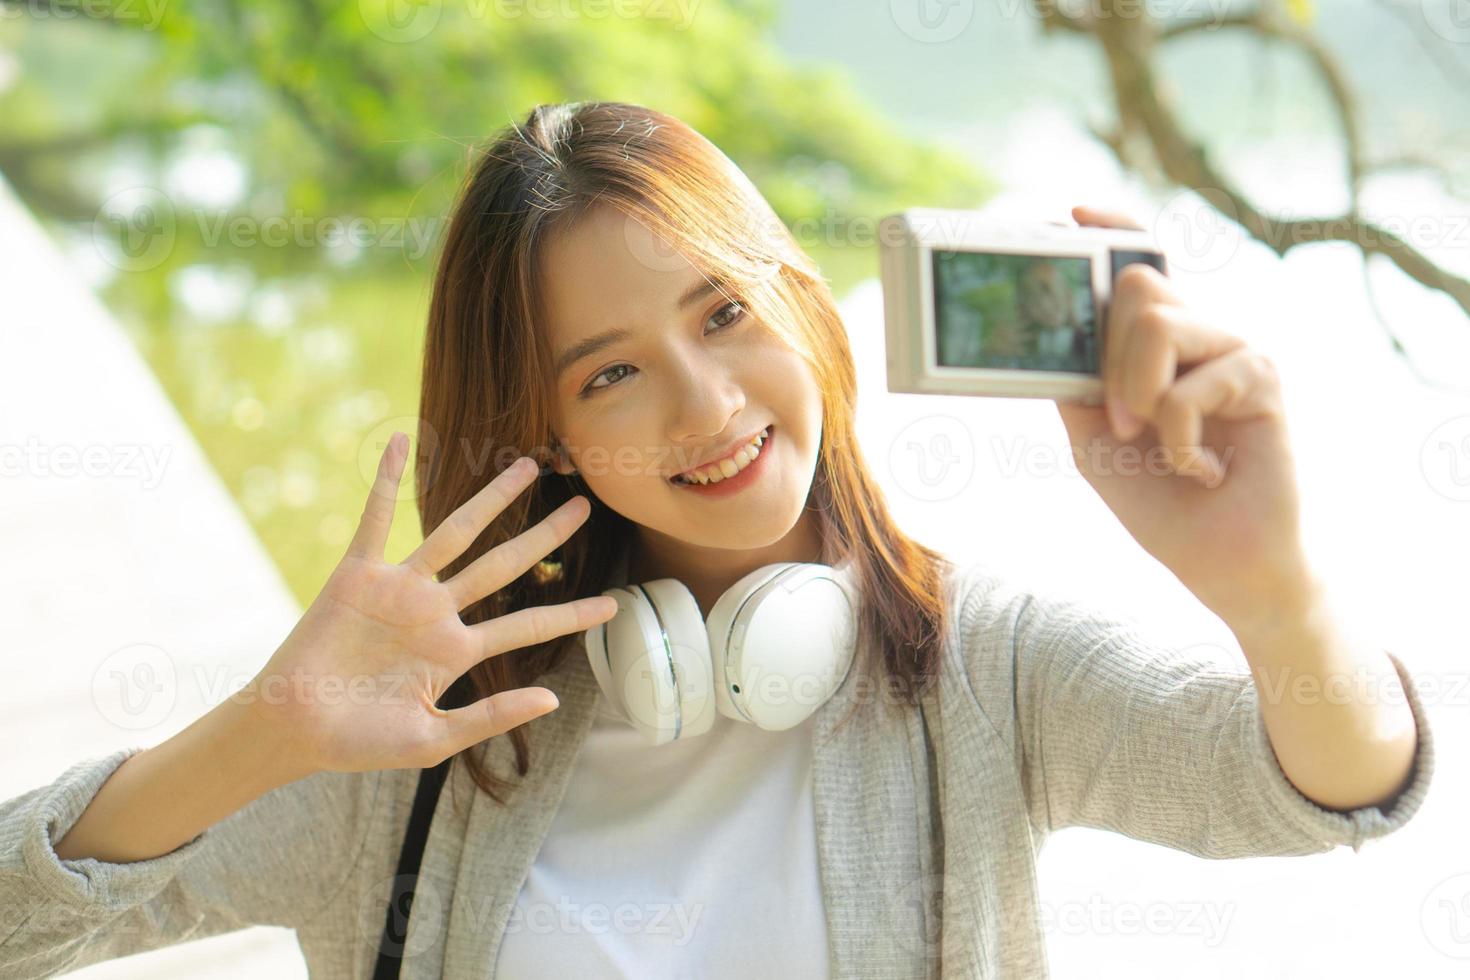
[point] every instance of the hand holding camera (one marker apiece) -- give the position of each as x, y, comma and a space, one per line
1176, 423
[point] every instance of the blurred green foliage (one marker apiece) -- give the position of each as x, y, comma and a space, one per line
268, 127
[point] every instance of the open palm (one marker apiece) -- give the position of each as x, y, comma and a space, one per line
357, 680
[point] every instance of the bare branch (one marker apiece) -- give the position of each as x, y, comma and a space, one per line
1262, 21
1129, 43
1398, 346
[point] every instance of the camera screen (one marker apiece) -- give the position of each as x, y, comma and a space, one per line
1009, 311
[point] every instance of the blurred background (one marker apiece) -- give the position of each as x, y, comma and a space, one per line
219, 222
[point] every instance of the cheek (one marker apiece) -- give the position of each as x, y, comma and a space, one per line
780, 369
798, 397
778, 382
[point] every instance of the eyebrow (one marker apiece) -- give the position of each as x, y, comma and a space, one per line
601, 341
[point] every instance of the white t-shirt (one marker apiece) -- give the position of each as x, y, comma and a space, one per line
692, 859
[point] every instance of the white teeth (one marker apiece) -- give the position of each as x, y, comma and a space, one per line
728, 467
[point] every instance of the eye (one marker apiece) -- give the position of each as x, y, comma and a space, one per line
730, 306
736, 317
595, 387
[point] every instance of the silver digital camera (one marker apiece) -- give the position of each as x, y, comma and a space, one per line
976, 306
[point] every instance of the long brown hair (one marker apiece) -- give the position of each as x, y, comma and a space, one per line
486, 395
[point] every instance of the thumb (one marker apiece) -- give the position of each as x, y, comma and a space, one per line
1083, 422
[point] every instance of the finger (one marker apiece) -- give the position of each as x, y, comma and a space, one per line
1158, 340
377, 516
1225, 388
1097, 217
458, 531
494, 715
525, 627
1132, 291
506, 562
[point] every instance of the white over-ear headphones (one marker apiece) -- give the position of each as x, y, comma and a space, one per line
776, 646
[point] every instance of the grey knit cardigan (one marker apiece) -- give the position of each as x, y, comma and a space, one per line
1048, 714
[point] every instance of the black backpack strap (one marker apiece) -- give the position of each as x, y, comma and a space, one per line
395, 929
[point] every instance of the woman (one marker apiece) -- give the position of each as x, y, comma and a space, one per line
615, 300
1055, 337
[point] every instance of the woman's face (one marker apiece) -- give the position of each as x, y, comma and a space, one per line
684, 383
1044, 297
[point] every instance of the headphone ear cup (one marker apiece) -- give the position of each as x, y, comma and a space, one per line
651, 661
728, 620
782, 640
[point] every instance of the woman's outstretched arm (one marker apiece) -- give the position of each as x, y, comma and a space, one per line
168, 795
1191, 452
277, 860
1340, 724
255, 814
1116, 731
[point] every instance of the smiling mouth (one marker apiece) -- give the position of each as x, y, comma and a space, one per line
730, 466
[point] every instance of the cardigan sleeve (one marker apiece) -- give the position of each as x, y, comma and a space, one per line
276, 861
1118, 733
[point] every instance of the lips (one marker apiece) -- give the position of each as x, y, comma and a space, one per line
731, 450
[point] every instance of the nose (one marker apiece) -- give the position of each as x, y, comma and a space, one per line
704, 402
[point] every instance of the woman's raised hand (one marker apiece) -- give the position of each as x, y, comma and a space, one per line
355, 683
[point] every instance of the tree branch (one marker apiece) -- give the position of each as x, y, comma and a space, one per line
1129, 39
